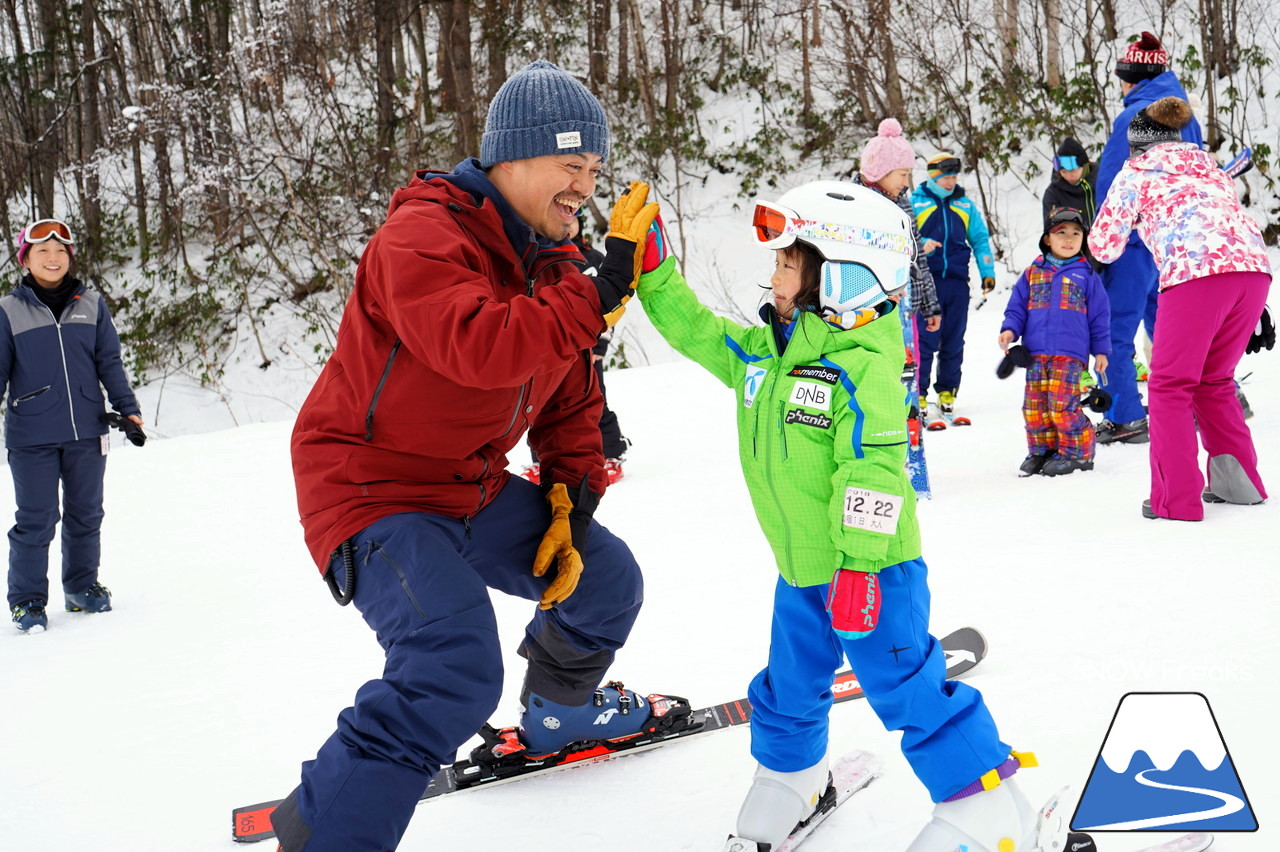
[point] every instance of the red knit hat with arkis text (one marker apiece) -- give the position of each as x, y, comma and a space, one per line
1143, 59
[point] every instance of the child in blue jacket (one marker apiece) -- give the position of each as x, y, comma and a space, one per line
952, 231
58, 349
1060, 310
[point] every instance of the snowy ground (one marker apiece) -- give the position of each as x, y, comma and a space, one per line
225, 661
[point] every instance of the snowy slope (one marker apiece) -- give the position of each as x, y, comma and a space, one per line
225, 661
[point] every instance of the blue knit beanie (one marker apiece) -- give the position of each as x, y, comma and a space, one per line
541, 110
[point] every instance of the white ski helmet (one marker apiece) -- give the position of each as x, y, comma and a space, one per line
864, 238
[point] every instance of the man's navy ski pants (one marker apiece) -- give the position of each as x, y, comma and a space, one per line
423, 585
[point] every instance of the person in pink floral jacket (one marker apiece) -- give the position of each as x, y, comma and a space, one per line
1214, 278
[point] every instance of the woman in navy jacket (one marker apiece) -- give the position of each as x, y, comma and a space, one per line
58, 349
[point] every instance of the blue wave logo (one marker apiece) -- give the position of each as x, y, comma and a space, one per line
1185, 797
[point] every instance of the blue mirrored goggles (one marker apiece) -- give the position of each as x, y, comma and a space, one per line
1066, 164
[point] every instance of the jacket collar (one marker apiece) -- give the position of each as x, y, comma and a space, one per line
468, 176
532, 252
1155, 88
814, 337
26, 288
956, 193
1048, 265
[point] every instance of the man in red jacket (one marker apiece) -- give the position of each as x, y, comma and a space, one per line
469, 324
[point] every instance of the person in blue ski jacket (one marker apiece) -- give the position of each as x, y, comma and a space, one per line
1131, 281
952, 232
58, 349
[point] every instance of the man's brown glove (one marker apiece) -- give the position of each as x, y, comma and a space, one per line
565, 540
624, 248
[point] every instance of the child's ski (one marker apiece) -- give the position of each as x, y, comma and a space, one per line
1197, 842
917, 467
939, 420
964, 649
1080, 842
852, 773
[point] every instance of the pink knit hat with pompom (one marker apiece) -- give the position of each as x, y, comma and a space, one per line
886, 152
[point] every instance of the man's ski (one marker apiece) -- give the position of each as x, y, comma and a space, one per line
852, 773
964, 649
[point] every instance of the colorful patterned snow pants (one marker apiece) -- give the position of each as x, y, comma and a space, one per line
1051, 409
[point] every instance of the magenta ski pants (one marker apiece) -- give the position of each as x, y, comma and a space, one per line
1205, 324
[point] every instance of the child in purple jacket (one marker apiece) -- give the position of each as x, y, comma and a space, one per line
1060, 310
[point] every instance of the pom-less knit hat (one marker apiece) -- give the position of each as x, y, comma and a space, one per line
886, 152
1161, 121
1070, 151
542, 110
41, 231
1143, 59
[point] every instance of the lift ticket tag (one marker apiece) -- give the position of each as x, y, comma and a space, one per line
872, 511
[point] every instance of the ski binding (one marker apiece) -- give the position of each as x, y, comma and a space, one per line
852, 773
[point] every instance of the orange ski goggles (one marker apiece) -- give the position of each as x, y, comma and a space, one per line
43, 230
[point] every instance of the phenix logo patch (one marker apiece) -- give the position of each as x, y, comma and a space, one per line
806, 418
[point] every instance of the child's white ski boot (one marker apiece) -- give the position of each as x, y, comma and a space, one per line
992, 815
778, 801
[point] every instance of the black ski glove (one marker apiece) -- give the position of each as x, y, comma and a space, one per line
131, 430
565, 540
1016, 355
1097, 400
1264, 336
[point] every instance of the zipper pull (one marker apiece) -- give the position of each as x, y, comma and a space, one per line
466, 523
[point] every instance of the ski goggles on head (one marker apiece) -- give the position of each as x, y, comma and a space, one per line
43, 230
770, 224
1066, 164
1062, 215
776, 227
945, 167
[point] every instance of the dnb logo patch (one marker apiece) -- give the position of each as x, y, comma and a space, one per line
811, 394
1164, 766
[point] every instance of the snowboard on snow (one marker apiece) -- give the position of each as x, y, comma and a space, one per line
964, 649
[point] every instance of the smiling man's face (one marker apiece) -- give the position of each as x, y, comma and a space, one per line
547, 191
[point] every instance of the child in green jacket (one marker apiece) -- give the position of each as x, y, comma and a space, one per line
822, 440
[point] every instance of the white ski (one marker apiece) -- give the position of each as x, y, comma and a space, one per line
852, 773
1196, 842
